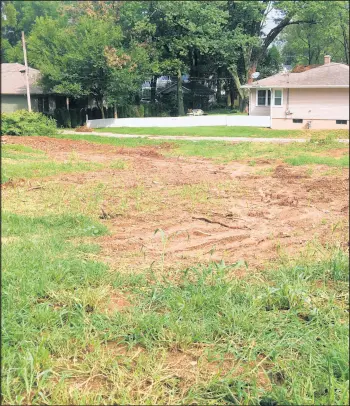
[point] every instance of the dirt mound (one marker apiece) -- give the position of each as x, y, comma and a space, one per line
284, 172
149, 152
334, 185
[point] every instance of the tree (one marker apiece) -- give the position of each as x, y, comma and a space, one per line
85, 57
271, 64
18, 16
307, 44
177, 34
247, 23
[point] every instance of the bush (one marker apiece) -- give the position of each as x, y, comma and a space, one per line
62, 117
74, 119
23, 122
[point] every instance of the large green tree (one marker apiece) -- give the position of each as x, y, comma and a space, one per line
247, 24
85, 57
176, 34
18, 16
307, 44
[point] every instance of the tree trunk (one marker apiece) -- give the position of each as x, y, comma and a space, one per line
180, 99
153, 95
228, 99
99, 102
251, 70
346, 45
218, 87
232, 93
243, 94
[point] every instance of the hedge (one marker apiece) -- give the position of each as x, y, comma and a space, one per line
23, 122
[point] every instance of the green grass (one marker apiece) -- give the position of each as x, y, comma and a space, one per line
319, 160
223, 131
293, 153
279, 337
186, 336
217, 131
20, 162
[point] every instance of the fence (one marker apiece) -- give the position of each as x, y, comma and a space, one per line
191, 121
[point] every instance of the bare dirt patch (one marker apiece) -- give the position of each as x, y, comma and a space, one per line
205, 211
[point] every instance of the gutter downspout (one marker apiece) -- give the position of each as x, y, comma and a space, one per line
287, 107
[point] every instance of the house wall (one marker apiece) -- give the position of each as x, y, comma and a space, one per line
14, 102
318, 124
325, 104
320, 106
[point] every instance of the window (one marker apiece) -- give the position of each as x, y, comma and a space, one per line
297, 120
263, 98
278, 95
341, 121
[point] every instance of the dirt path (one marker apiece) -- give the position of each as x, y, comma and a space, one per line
191, 138
203, 211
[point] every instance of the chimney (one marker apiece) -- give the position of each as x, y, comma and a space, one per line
327, 59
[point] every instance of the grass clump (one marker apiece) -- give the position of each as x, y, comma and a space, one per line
319, 160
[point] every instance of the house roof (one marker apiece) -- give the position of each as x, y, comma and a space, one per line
324, 76
13, 80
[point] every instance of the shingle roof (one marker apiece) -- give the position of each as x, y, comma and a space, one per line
13, 80
328, 75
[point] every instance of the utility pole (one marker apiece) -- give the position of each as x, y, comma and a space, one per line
26, 72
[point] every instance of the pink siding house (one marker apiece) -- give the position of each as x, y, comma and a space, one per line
317, 98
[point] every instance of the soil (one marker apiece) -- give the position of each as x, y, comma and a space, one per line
243, 216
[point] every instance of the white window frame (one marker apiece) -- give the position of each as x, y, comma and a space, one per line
266, 98
274, 105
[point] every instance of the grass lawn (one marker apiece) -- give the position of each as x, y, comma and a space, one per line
20, 162
223, 131
75, 331
294, 153
279, 337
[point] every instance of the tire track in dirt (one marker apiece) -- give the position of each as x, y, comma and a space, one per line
249, 217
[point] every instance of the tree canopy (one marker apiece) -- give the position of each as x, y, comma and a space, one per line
106, 49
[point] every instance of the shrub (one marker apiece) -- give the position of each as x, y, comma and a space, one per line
62, 117
23, 122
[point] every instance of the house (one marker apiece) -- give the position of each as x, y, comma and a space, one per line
161, 83
14, 91
316, 98
14, 97
196, 95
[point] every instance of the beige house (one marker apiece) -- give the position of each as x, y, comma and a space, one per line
317, 98
14, 91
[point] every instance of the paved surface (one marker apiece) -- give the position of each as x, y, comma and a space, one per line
191, 138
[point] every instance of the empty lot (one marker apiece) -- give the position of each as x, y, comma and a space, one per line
154, 239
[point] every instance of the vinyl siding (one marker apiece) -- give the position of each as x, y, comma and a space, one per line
309, 104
